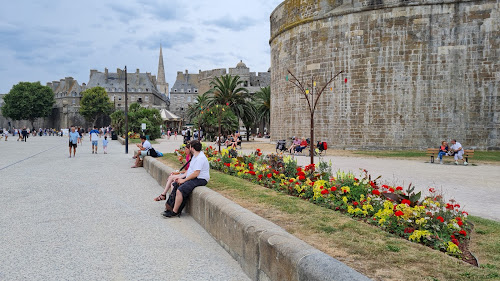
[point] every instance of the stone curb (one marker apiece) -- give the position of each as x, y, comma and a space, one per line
264, 250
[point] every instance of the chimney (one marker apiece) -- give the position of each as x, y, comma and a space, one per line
186, 71
106, 74
92, 72
137, 71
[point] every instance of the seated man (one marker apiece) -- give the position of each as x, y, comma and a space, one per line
295, 144
456, 147
302, 146
144, 147
198, 174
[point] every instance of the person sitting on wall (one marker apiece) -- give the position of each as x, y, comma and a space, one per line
443, 150
176, 175
144, 147
458, 150
198, 174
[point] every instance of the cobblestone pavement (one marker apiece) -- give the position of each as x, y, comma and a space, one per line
93, 218
475, 188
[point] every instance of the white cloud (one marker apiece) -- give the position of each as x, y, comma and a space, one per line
49, 40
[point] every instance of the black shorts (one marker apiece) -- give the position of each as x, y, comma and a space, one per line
72, 145
188, 187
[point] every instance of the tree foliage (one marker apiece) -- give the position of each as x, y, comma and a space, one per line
136, 116
208, 120
28, 101
95, 103
226, 90
263, 104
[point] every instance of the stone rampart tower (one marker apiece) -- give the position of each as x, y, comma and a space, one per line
418, 72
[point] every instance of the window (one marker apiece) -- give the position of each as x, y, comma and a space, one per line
182, 90
119, 97
196, 90
74, 101
189, 90
119, 104
146, 98
175, 90
147, 90
189, 99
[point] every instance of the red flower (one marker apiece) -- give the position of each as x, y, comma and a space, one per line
391, 189
375, 192
290, 180
385, 186
269, 175
406, 201
460, 223
463, 232
252, 173
399, 188
273, 182
455, 241
301, 174
321, 187
465, 213
302, 178
260, 177
440, 218
345, 80
372, 184
299, 169
409, 230
449, 206
260, 153
258, 150
333, 188
355, 179
355, 203
324, 191
432, 190
398, 213
456, 206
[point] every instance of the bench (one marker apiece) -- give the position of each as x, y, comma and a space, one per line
433, 152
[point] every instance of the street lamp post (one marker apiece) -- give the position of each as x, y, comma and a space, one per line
126, 113
312, 103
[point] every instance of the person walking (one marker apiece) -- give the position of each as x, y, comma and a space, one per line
73, 141
24, 134
5, 134
94, 138
105, 144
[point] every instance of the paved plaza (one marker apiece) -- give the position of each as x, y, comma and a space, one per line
475, 188
93, 218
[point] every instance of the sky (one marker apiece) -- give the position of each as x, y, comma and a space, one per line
52, 39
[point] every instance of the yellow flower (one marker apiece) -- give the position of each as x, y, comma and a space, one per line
345, 189
417, 234
420, 221
381, 221
344, 199
452, 248
350, 209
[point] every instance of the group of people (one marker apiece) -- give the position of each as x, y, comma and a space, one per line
76, 137
456, 150
233, 140
297, 145
180, 184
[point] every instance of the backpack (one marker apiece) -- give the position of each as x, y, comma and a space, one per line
152, 152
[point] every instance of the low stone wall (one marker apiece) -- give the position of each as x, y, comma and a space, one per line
264, 250
121, 140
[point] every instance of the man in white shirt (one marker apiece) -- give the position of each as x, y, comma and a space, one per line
459, 151
144, 147
94, 138
198, 174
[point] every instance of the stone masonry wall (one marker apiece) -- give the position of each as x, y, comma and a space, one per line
418, 72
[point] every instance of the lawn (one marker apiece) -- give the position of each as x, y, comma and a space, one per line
371, 251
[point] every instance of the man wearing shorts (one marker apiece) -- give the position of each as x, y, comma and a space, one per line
144, 147
73, 140
94, 138
198, 174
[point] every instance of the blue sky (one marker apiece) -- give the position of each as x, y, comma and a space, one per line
49, 40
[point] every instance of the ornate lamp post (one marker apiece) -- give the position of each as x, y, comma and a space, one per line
312, 102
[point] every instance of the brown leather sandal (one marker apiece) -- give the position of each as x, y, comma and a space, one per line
161, 197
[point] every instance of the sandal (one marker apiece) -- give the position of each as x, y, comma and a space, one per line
161, 197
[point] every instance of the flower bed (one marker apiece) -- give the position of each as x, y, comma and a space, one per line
427, 220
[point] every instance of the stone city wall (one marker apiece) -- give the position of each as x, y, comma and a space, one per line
418, 72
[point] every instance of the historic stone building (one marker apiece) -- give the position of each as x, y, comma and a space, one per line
143, 88
417, 72
188, 86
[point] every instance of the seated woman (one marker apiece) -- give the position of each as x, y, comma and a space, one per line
173, 176
443, 150
236, 140
295, 143
302, 146
229, 141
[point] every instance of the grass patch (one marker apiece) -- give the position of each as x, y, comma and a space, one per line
368, 249
481, 156
130, 141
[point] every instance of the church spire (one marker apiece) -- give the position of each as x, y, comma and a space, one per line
161, 69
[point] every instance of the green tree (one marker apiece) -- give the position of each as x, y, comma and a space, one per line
263, 105
118, 121
226, 90
150, 116
95, 103
208, 119
28, 101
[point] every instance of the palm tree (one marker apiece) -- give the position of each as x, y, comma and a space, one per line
263, 105
195, 109
226, 90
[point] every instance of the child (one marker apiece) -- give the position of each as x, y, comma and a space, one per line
105, 144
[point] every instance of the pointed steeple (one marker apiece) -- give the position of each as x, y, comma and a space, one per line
161, 69
161, 84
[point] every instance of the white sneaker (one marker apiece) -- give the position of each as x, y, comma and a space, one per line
465, 163
456, 162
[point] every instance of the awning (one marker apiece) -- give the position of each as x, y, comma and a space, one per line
169, 116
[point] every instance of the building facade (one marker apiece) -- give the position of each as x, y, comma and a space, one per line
188, 86
418, 72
